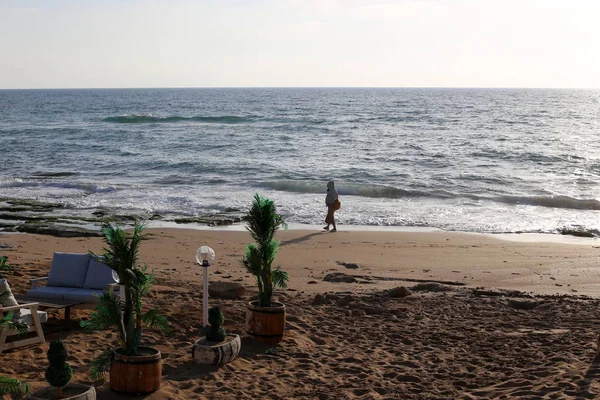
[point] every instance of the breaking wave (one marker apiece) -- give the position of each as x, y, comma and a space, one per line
382, 191
221, 119
84, 187
364, 190
149, 118
553, 202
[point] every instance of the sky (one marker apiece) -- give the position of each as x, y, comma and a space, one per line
299, 43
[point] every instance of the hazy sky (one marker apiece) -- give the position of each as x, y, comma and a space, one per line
218, 43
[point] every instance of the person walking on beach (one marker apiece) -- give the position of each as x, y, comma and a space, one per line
332, 203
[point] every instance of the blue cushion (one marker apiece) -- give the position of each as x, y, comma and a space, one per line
68, 269
98, 275
83, 295
49, 292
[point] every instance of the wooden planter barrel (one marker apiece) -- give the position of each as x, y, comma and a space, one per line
216, 353
73, 391
137, 374
265, 324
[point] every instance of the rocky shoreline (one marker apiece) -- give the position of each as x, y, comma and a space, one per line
56, 219
32, 216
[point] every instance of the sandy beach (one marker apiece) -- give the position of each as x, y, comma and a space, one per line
470, 335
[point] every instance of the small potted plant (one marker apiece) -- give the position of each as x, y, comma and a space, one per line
134, 369
59, 374
216, 347
265, 318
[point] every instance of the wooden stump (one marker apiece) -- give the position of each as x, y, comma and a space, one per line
266, 324
216, 353
136, 374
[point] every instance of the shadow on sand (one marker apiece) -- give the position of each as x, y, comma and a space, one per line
591, 375
302, 238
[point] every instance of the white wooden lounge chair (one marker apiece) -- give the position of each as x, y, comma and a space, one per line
25, 313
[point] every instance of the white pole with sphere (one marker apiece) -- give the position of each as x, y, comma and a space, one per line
205, 257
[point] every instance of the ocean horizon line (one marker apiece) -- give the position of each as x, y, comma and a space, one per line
306, 87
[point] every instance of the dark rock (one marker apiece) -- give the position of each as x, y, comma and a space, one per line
312, 282
399, 292
332, 297
55, 230
226, 290
579, 231
344, 301
522, 304
319, 300
339, 277
430, 287
348, 265
493, 292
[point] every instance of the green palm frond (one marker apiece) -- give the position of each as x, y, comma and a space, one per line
101, 364
280, 278
269, 251
253, 259
155, 321
149, 280
136, 239
263, 219
11, 385
4, 267
109, 312
7, 322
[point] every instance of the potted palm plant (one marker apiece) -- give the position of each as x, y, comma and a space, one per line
133, 368
265, 318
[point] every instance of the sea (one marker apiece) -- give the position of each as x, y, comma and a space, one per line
470, 160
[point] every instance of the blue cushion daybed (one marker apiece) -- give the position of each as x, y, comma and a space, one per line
74, 277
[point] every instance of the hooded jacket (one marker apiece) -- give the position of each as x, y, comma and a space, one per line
332, 193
